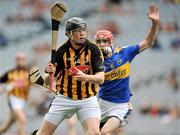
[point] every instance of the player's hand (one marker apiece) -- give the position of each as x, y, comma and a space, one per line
50, 68
153, 13
79, 76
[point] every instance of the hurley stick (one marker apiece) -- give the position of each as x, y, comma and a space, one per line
58, 10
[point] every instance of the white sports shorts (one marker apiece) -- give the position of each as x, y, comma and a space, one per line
118, 110
16, 103
63, 108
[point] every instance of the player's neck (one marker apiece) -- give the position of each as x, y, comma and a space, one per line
75, 46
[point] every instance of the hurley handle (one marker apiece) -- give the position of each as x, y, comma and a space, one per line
53, 57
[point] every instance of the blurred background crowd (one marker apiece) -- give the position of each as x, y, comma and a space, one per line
25, 25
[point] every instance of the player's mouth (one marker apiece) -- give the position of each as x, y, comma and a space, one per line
82, 39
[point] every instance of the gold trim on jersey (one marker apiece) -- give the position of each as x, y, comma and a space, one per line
118, 49
119, 73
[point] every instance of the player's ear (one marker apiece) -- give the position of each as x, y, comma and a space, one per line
69, 34
66, 34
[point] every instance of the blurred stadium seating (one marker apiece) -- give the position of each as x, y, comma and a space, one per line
150, 69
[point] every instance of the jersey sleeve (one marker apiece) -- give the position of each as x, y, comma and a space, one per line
59, 61
131, 51
97, 59
4, 78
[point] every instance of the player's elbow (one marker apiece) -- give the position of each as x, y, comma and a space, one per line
101, 81
148, 43
101, 78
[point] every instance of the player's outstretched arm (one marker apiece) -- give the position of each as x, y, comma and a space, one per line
153, 15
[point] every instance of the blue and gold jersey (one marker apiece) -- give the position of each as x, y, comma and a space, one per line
117, 71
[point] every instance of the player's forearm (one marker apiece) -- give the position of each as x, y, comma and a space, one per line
97, 78
149, 40
152, 33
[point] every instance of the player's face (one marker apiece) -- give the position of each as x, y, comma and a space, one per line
79, 36
105, 46
102, 43
20, 61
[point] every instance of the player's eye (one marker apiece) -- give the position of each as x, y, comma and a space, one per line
104, 40
101, 41
98, 41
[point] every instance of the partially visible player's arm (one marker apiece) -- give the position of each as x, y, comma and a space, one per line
50, 68
4, 78
54, 68
5, 86
97, 66
96, 78
153, 15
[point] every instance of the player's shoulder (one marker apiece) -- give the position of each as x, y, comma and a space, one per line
92, 45
11, 70
122, 48
63, 47
26, 69
7, 72
118, 49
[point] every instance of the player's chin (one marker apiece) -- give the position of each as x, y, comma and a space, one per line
102, 47
82, 40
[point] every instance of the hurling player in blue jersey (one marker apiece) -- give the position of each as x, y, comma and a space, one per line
115, 93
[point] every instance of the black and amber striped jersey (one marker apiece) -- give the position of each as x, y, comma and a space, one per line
20, 76
68, 57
